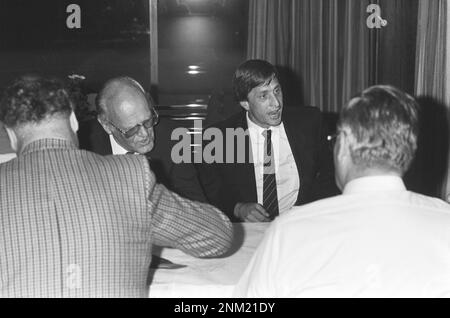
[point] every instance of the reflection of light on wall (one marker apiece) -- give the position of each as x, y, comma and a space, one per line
194, 105
195, 69
194, 32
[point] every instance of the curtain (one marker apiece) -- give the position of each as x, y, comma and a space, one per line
323, 47
430, 50
431, 85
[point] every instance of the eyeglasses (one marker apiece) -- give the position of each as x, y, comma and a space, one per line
147, 124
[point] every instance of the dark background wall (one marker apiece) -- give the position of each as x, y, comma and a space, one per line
113, 40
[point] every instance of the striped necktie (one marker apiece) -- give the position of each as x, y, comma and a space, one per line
270, 196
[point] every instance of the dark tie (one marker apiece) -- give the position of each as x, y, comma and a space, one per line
270, 196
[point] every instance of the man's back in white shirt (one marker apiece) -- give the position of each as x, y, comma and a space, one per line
375, 240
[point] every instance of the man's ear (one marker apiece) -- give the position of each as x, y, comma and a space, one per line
245, 105
343, 145
104, 124
73, 122
12, 138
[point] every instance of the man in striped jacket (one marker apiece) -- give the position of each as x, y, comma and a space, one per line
77, 224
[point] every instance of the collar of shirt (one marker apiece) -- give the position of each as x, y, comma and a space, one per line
374, 184
257, 140
48, 143
115, 147
256, 129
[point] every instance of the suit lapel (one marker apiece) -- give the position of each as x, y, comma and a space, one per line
246, 171
93, 137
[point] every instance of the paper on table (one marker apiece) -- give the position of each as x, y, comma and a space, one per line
6, 157
159, 262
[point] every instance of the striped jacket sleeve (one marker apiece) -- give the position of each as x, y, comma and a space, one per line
196, 228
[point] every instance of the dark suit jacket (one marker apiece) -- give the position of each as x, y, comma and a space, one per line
226, 184
181, 178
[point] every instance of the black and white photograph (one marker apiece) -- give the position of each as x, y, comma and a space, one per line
224, 155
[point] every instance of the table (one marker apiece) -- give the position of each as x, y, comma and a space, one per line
207, 278
6, 157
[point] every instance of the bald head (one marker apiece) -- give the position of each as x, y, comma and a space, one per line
122, 104
117, 90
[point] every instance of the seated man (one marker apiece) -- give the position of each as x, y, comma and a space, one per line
268, 183
376, 239
77, 224
129, 118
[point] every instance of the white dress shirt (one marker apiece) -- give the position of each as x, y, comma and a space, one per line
375, 240
288, 182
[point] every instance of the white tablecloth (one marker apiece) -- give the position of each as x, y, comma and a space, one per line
207, 278
6, 157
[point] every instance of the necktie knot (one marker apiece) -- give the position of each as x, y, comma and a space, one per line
267, 146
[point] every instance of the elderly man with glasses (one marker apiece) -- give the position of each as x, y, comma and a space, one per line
131, 126
127, 115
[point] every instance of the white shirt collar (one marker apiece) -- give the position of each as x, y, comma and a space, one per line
116, 148
252, 127
374, 184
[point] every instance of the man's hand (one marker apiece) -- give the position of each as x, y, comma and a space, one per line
251, 212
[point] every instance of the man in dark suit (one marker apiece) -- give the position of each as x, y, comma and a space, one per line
287, 161
128, 123
77, 224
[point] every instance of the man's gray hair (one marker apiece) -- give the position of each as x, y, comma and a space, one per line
32, 98
383, 124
